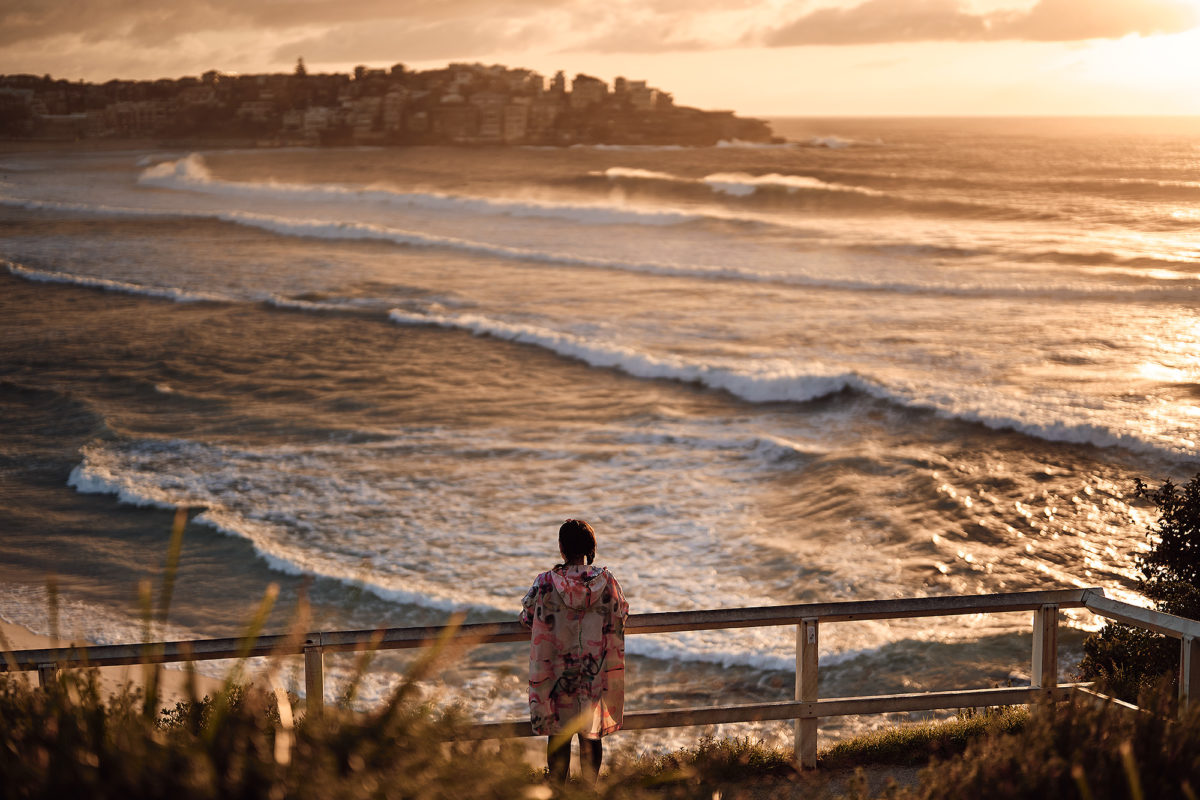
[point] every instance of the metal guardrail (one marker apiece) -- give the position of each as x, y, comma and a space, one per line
806, 709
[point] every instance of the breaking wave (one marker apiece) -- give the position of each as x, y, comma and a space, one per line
790, 382
166, 293
741, 184
192, 174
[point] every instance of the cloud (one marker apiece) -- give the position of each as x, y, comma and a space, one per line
391, 41
154, 21
33, 33
1071, 20
641, 41
653, 28
885, 21
881, 21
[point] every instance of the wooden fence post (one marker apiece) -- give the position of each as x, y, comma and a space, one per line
807, 640
314, 676
1045, 649
46, 674
1189, 672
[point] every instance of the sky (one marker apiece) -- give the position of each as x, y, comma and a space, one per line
766, 58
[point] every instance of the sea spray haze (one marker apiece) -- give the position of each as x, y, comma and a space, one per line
886, 359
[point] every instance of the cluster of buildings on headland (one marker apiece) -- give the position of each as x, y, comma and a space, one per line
461, 104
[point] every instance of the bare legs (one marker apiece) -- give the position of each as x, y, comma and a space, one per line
591, 753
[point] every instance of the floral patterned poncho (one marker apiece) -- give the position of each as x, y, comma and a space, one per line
577, 650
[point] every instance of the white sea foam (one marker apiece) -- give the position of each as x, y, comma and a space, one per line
832, 142
172, 293
317, 530
168, 293
756, 648
632, 148
192, 174
332, 229
778, 383
740, 144
789, 382
342, 230
840, 142
86, 208
774, 382
141, 477
741, 184
645, 174
309, 305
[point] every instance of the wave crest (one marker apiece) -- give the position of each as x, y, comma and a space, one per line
784, 381
166, 293
192, 174
740, 184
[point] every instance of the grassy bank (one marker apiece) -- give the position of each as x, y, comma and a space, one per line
69, 741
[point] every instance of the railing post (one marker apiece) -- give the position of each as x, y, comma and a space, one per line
1045, 649
1189, 672
46, 674
314, 676
807, 640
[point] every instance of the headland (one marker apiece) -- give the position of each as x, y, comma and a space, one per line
466, 104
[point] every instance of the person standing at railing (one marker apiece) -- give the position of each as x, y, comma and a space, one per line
576, 613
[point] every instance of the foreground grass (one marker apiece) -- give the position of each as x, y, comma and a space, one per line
916, 745
67, 741
717, 762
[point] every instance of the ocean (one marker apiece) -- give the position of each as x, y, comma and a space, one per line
887, 358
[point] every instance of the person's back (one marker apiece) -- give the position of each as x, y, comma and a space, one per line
576, 613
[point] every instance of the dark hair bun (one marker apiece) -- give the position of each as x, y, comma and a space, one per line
576, 538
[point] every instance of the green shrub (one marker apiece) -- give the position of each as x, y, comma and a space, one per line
1129, 660
1171, 570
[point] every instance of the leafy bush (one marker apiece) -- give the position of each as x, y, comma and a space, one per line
1171, 570
1129, 660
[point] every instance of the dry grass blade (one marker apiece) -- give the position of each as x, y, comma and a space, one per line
171, 567
362, 663
1131, 771
149, 668
1079, 775
253, 631
52, 603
